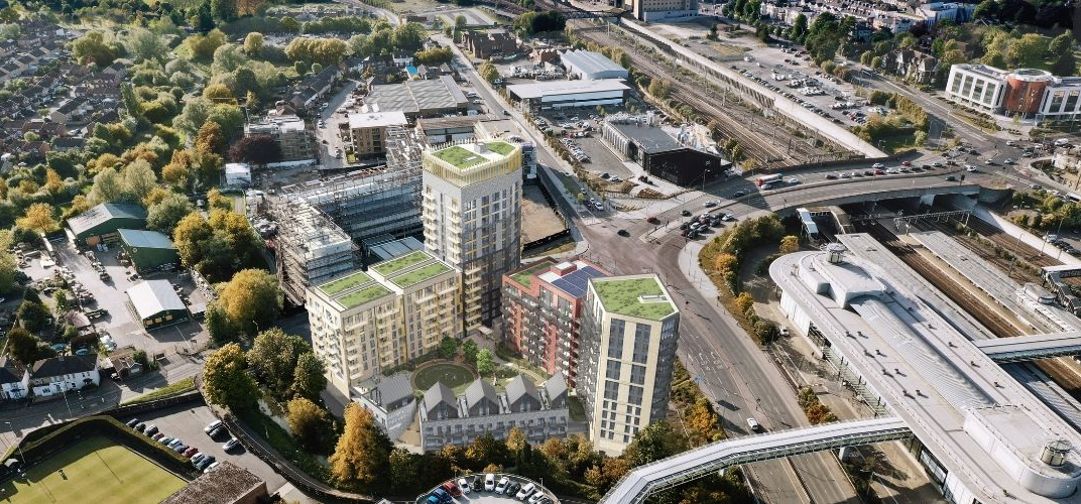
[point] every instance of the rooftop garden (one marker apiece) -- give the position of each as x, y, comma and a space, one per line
463, 158
370, 293
345, 283
419, 275
624, 296
525, 276
390, 266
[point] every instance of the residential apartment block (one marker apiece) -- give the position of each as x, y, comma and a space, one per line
289, 131
368, 132
542, 309
1025, 92
630, 327
366, 322
471, 211
447, 419
390, 400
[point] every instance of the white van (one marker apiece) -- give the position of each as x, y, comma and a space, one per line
754, 425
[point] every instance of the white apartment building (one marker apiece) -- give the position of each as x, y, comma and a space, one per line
366, 322
472, 216
630, 327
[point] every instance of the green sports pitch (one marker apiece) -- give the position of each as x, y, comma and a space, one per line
91, 471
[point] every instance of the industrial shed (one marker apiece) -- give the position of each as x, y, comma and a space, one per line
148, 250
589, 65
100, 224
156, 304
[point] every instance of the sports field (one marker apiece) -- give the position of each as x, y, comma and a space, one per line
92, 471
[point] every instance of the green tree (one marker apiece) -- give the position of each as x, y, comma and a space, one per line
362, 455
226, 381
1060, 51
273, 358
251, 299
469, 352
485, 362
253, 43
142, 44
94, 48
223, 10
218, 325
798, 29
310, 425
8, 265
25, 347
656, 441
448, 347
40, 218
488, 71
309, 377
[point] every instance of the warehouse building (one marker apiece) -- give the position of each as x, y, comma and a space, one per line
100, 224
156, 304
662, 155
419, 98
589, 65
148, 250
565, 94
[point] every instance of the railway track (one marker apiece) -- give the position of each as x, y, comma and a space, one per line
769, 143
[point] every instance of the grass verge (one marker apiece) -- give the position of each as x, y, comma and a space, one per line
180, 387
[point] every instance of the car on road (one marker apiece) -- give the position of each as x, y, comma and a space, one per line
906, 163
951, 178
710, 203
489, 482
937, 164
653, 220
685, 213
971, 169
741, 192
501, 487
624, 233
231, 444
1010, 143
211, 426
754, 425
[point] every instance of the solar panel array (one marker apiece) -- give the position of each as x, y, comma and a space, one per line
575, 282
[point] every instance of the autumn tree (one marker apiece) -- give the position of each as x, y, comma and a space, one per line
311, 425
256, 149
253, 43
178, 171
39, 217
251, 299
226, 381
789, 244
209, 139
362, 454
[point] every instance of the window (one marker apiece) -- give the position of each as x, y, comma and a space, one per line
641, 343
638, 374
614, 368
634, 395
611, 390
615, 340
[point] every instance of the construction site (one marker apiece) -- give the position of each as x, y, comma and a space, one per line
328, 225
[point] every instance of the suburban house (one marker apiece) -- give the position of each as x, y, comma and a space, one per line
14, 380
56, 375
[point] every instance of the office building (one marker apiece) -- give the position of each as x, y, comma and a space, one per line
368, 132
630, 327
653, 10
367, 322
1025, 92
539, 412
542, 310
472, 215
296, 142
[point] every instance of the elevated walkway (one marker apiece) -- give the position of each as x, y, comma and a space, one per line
700, 462
1036, 346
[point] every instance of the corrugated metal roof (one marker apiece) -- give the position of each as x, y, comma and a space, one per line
145, 239
151, 297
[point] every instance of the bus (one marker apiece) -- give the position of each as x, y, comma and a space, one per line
768, 180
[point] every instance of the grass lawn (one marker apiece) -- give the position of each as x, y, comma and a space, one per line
455, 376
94, 470
185, 385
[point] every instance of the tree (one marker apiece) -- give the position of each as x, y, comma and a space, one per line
798, 29
179, 169
273, 358
143, 44
210, 139
653, 443
309, 378
485, 362
218, 325
659, 89
469, 352
789, 244
448, 347
1060, 50
488, 71
218, 93
251, 299
189, 235
409, 37
226, 381
310, 425
362, 454
39, 217
93, 48
256, 149
405, 469
253, 43
25, 347
8, 265
223, 10
137, 180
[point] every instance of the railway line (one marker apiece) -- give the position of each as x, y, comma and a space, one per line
770, 144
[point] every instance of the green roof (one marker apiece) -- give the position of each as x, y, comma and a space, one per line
633, 297
463, 158
388, 267
524, 276
359, 297
419, 275
345, 283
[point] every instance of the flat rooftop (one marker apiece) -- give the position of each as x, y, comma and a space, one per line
557, 88
410, 269
966, 409
634, 296
469, 155
651, 139
353, 290
377, 119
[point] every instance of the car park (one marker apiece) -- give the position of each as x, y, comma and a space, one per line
166, 440
197, 457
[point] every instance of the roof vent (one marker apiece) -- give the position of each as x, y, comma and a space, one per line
836, 253
1054, 453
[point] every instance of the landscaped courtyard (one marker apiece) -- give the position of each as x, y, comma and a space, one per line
93, 470
455, 376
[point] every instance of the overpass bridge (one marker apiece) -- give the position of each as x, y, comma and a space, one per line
1033, 347
637, 485
787, 200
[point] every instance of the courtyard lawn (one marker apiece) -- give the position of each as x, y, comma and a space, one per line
455, 376
93, 470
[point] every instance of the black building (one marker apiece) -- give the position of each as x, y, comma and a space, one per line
661, 155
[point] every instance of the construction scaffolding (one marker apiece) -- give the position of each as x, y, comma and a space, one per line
311, 248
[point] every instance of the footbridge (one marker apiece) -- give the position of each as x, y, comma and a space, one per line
700, 462
1033, 347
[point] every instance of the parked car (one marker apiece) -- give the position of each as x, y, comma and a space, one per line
166, 440
180, 448
190, 451
526, 491
464, 485
195, 459
501, 487
211, 467
489, 482
754, 425
140, 427
741, 192
151, 430
623, 232
211, 426
133, 422
158, 436
209, 459
513, 488
478, 484
231, 444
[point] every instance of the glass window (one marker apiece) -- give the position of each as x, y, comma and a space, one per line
611, 390
614, 367
641, 343
638, 374
634, 395
615, 340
